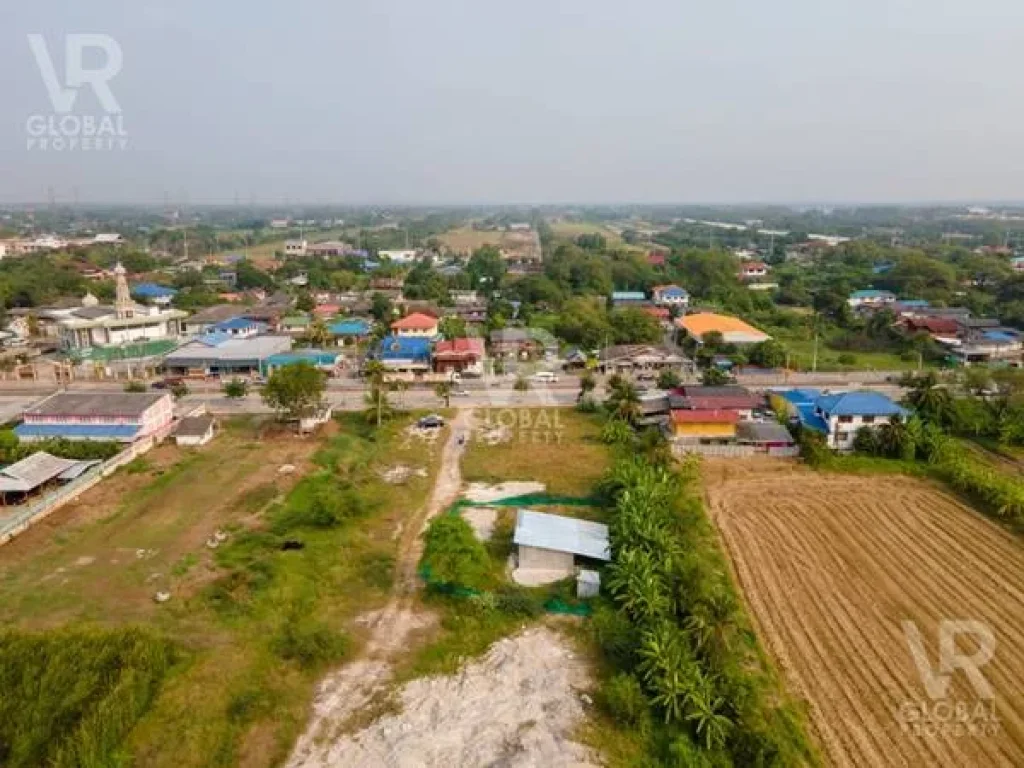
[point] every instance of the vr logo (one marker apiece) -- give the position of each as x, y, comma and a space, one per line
75, 72
936, 681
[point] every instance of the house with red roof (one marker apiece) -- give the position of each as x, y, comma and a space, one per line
417, 324
751, 270
464, 355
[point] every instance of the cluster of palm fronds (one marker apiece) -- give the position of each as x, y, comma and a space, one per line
683, 639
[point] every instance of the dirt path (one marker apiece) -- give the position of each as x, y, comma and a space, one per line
344, 693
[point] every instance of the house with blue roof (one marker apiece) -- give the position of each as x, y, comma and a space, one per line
404, 354
840, 415
160, 295
324, 359
870, 297
351, 329
670, 296
238, 328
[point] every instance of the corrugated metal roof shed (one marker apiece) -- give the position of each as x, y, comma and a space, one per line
120, 432
562, 534
32, 471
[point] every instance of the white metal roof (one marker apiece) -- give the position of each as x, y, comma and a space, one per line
562, 534
32, 471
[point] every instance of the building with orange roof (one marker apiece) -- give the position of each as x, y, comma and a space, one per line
733, 330
417, 324
713, 425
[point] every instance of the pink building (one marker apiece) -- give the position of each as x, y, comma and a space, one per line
122, 416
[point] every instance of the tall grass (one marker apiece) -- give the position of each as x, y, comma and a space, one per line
69, 697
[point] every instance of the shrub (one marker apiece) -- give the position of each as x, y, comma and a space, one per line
453, 555
309, 642
587, 404
615, 635
516, 601
623, 698
135, 386
846, 358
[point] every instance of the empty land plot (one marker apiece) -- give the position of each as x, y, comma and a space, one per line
555, 446
466, 239
833, 565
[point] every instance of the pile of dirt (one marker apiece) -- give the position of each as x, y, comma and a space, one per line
517, 706
425, 434
400, 473
481, 493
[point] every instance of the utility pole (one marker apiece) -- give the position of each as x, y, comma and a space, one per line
814, 359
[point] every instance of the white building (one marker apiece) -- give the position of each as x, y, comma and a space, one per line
94, 325
405, 256
295, 247
108, 238
871, 298
547, 546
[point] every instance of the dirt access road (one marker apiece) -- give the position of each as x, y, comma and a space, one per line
344, 693
833, 566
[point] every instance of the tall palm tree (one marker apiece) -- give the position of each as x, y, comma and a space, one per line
318, 335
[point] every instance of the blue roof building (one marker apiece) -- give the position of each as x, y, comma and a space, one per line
319, 358
353, 328
153, 291
160, 295
404, 353
839, 416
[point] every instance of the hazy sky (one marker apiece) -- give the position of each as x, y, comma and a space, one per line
458, 101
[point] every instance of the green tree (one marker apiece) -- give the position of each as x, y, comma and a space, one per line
768, 354
305, 302
588, 383
135, 386
318, 334
522, 384
379, 408
380, 307
714, 377
295, 390
452, 554
634, 326
669, 378
236, 389
452, 328
443, 389
180, 390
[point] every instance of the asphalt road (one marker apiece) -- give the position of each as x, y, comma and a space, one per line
349, 395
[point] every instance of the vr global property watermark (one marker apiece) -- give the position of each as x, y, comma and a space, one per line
940, 714
65, 130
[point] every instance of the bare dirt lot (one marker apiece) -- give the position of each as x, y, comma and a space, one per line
517, 706
833, 566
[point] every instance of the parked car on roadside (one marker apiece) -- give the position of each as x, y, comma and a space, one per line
544, 377
433, 421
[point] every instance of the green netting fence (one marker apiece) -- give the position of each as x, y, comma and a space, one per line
555, 604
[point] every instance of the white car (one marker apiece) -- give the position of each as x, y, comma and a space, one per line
544, 377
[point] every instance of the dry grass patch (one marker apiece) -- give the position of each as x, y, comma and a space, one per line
555, 446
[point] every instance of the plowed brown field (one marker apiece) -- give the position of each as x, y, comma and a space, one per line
832, 565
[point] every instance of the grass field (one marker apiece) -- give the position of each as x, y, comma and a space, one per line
256, 623
467, 239
555, 446
572, 229
832, 567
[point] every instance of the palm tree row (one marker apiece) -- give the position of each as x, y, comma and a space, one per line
693, 657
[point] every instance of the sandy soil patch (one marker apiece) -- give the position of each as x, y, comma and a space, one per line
482, 493
517, 706
482, 519
832, 565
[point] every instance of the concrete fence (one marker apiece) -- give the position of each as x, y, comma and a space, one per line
720, 451
40, 509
